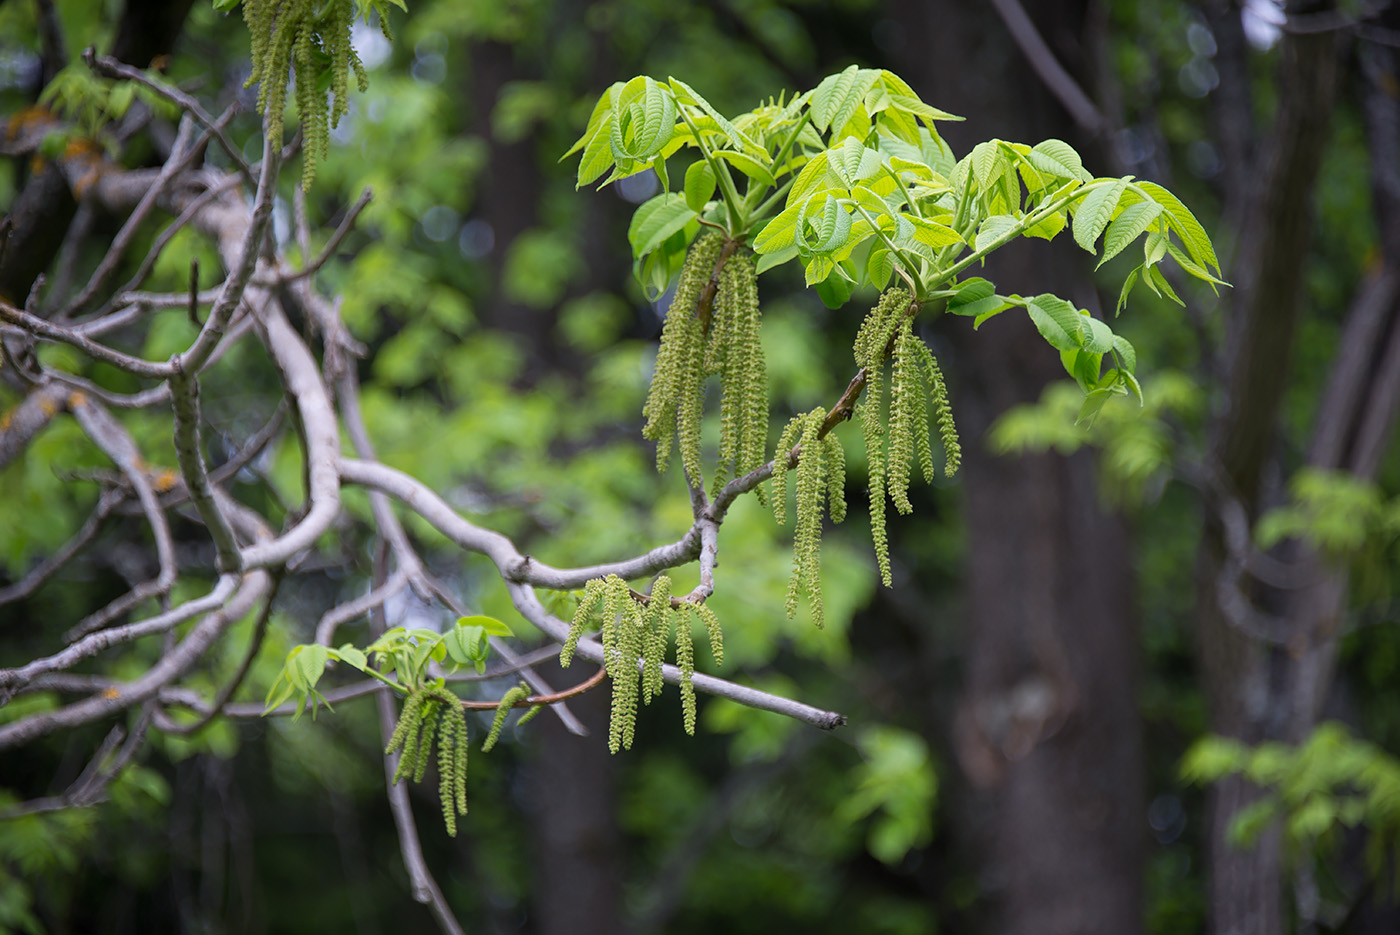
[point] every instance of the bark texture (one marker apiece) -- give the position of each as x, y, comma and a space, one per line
1047, 730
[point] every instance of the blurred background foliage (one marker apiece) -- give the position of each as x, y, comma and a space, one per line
510, 350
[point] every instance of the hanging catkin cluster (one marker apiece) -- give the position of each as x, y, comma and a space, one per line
888, 333
428, 712
635, 638
725, 343
821, 480
311, 37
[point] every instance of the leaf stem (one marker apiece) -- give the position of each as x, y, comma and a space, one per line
904, 259
1019, 228
721, 170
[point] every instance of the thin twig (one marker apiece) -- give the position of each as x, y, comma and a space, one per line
425, 889
593, 681
1043, 61
94, 643
111, 68
46, 569
182, 153
112, 438
420, 498
259, 632
346, 223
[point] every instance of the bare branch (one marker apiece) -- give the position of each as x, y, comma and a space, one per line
182, 153
46, 569
424, 501
1059, 81
109, 435
109, 67
184, 388
171, 666
259, 632
360, 606
94, 643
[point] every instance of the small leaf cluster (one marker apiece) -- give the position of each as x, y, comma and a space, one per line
401, 651
636, 632
312, 39
821, 480
892, 444
1330, 782
433, 712
91, 102
1333, 512
400, 659
712, 329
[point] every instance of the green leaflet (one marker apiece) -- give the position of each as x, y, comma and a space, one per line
1098, 337
835, 100
597, 154
932, 233
644, 119
781, 232
748, 165
685, 94
853, 162
1057, 321
1058, 158
1131, 222
993, 229
1095, 211
1185, 224
656, 220
699, 185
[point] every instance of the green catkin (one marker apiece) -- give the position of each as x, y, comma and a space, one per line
428, 713
658, 622
943, 410
871, 341
780, 468
675, 400
713, 631
614, 596
625, 675
743, 377
685, 661
529, 716
432, 714
518, 693
835, 457
806, 545
906, 400
410, 719
635, 639
873, 432
298, 36
690, 412
452, 759
592, 597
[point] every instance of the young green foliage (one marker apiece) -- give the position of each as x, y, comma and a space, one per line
635, 634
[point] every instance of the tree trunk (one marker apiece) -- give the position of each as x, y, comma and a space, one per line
1249, 678
1047, 729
